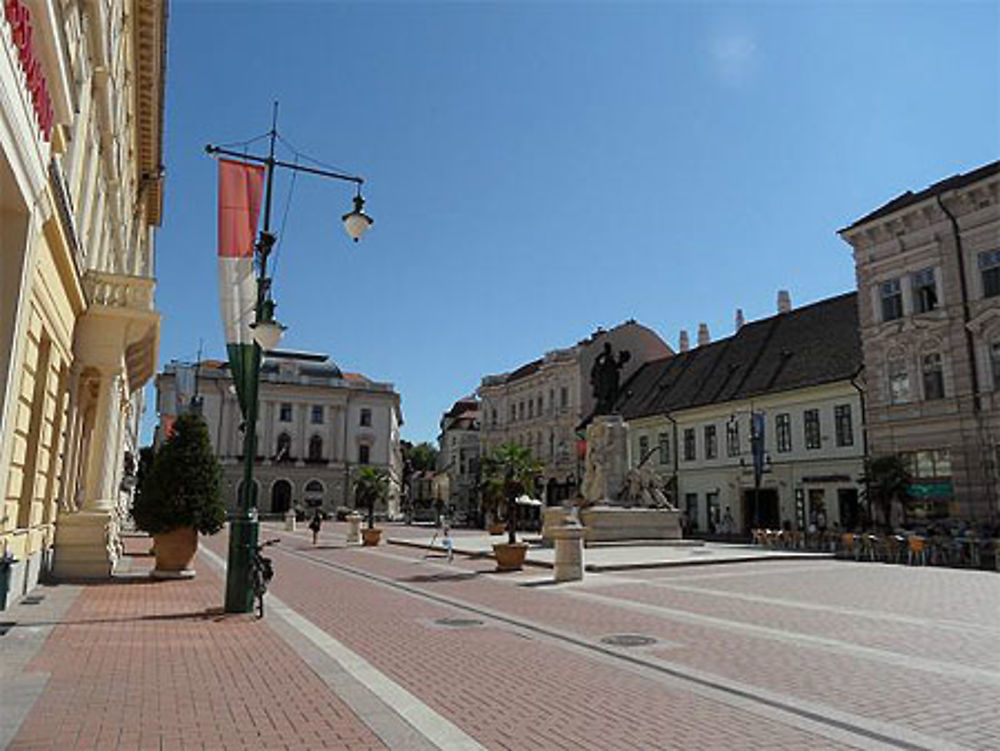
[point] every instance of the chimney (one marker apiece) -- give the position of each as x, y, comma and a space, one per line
739, 319
784, 301
703, 336
684, 345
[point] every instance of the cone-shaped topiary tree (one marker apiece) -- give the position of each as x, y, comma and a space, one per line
183, 486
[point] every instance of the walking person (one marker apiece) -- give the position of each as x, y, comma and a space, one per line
315, 523
449, 544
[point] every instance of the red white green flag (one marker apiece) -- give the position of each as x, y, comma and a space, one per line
240, 189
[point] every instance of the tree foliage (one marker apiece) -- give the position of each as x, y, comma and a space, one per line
423, 456
183, 486
509, 472
887, 480
371, 486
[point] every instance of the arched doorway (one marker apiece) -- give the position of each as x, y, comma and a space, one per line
281, 496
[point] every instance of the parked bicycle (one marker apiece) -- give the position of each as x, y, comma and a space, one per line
261, 573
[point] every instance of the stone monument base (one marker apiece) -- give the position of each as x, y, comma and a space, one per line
615, 524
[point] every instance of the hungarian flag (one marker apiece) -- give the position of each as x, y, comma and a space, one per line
240, 188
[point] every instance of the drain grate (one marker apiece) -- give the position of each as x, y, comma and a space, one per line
32, 599
458, 622
6, 626
628, 640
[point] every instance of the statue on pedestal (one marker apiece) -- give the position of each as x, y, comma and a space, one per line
604, 378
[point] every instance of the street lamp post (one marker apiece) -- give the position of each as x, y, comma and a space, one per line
245, 527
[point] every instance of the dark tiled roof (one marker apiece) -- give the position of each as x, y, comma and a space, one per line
812, 345
525, 370
909, 198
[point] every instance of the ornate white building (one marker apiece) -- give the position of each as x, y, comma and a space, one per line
81, 112
316, 425
928, 269
542, 404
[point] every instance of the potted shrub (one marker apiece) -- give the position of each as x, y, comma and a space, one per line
371, 486
180, 497
512, 468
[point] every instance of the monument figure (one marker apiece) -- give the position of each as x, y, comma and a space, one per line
604, 378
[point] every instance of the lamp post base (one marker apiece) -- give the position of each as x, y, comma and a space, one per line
243, 535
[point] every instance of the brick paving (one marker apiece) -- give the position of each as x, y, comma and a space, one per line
776, 655
152, 665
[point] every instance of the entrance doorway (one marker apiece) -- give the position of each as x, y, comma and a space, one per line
847, 506
281, 496
769, 516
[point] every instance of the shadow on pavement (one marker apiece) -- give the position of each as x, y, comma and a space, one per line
441, 577
214, 614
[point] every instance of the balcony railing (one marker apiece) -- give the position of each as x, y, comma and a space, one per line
119, 290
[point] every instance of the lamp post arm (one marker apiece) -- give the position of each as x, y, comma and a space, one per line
286, 165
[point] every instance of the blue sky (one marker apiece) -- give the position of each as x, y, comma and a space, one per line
536, 170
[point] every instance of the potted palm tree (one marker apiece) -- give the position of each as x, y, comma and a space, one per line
512, 467
180, 497
371, 486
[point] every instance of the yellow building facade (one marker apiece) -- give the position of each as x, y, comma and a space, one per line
81, 112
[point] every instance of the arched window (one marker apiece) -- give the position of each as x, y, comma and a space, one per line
313, 494
314, 486
315, 449
284, 450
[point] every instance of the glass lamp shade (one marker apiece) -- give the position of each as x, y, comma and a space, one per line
357, 222
267, 334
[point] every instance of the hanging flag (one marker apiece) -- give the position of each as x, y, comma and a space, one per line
240, 188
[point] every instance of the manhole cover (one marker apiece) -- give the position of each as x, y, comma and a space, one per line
6, 626
458, 622
628, 640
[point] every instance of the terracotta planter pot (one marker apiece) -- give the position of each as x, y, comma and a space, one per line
370, 537
510, 557
498, 528
175, 551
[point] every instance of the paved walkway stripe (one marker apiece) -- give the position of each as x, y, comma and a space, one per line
820, 608
845, 727
440, 732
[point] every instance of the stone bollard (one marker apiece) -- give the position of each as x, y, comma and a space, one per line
290, 521
353, 529
569, 551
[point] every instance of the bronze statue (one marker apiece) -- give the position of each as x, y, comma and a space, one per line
604, 378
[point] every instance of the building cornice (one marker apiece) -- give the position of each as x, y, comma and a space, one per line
149, 18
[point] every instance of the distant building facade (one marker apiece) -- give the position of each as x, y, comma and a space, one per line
690, 415
541, 404
81, 99
316, 425
458, 456
928, 270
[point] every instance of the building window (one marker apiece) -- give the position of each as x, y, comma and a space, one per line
689, 447
538, 405
520, 410
691, 507
842, 419
892, 300
732, 438
924, 291
315, 449
931, 463
711, 445
284, 448
989, 269
899, 382
933, 376
563, 397
783, 432
493, 416
285, 413
552, 399
364, 453
810, 419
643, 448
317, 414
995, 364
513, 413
664, 445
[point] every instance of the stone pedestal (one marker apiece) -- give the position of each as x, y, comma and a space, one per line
353, 529
569, 552
607, 460
552, 517
615, 524
85, 545
290, 522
